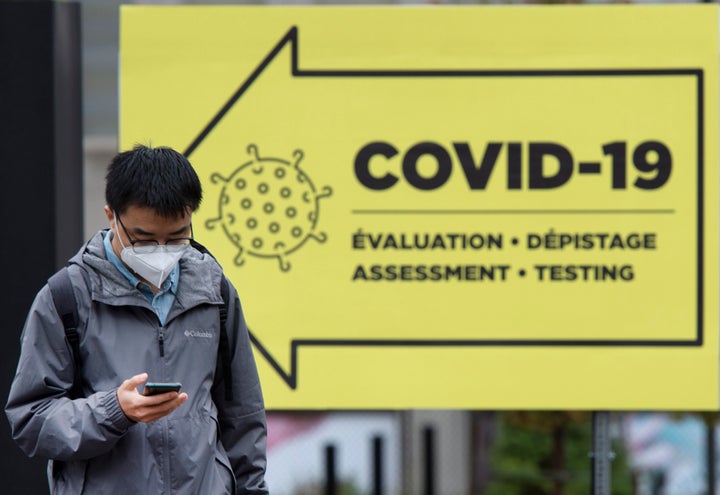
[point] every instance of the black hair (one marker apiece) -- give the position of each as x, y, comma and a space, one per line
153, 177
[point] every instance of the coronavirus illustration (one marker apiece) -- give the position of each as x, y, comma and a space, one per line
268, 207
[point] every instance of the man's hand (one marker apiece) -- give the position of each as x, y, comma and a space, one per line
144, 409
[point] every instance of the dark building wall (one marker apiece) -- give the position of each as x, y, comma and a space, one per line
41, 178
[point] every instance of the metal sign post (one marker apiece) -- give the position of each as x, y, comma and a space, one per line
601, 454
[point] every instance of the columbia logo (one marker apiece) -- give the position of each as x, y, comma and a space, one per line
198, 334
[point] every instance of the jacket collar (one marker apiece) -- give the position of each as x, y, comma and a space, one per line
200, 277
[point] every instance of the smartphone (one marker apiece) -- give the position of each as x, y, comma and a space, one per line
160, 388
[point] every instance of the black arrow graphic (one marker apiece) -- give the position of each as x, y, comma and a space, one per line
291, 38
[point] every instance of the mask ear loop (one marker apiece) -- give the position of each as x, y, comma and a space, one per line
117, 231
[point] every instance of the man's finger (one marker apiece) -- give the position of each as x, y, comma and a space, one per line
154, 400
150, 412
134, 382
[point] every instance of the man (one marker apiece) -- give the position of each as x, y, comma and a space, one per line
148, 305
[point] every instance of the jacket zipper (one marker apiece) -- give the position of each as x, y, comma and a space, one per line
161, 341
167, 470
167, 458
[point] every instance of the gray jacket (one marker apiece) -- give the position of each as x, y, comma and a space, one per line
207, 446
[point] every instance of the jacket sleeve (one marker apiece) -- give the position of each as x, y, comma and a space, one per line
243, 427
45, 421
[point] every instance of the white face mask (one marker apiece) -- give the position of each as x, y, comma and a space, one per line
153, 263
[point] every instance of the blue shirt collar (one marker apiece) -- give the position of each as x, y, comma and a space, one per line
170, 283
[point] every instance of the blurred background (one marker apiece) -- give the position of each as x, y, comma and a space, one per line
419, 451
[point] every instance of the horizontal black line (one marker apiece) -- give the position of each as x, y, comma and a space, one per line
497, 73
492, 342
589, 167
516, 212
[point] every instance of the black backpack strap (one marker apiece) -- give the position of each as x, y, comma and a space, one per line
66, 307
224, 348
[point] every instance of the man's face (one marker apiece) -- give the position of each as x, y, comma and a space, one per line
144, 224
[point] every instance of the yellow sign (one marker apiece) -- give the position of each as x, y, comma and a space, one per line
457, 207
